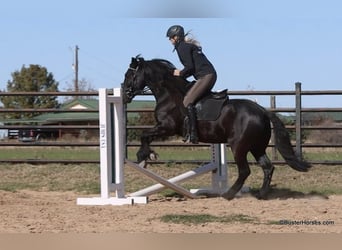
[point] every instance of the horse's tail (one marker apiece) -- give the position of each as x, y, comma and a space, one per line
283, 143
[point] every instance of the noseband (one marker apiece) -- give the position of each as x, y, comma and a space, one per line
130, 92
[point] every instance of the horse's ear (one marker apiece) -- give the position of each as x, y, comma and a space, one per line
136, 60
139, 58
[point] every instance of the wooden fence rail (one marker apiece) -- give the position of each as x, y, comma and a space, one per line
298, 127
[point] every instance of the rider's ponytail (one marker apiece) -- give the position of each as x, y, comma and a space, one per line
191, 39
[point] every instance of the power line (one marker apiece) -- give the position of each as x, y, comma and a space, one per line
104, 62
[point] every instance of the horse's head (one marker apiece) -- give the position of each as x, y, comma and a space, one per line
146, 75
135, 82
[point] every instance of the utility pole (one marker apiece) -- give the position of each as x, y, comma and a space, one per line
76, 68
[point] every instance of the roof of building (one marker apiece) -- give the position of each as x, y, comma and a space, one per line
79, 104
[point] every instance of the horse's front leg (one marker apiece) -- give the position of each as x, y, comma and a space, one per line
145, 152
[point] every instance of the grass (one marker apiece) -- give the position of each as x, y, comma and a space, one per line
174, 154
189, 219
323, 155
52, 177
84, 178
324, 180
64, 153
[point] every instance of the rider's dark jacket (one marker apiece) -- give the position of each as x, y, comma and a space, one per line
194, 61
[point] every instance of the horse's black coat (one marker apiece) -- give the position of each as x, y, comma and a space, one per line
243, 124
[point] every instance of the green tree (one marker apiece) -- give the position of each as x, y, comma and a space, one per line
34, 78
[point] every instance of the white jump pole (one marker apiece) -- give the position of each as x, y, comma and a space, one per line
219, 183
111, 152
218, 166
177, 179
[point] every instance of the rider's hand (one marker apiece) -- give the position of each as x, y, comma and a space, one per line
176, 72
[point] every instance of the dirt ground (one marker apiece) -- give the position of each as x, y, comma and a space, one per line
57, 212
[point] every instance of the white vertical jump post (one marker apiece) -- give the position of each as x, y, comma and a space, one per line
112, 161
111, 152
219, 176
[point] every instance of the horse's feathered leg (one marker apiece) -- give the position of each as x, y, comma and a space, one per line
145, 152
268, 169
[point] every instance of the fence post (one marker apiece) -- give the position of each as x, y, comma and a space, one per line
274, 149
298, 120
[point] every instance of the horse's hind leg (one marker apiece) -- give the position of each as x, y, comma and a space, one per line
268, 169
244, 172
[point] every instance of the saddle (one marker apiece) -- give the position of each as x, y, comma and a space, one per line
209, 107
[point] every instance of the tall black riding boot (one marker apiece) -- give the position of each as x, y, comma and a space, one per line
192, 127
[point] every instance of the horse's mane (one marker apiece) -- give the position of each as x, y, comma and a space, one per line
158, 68
162, 70
165, 63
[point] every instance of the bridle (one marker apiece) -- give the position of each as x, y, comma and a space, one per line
130, 92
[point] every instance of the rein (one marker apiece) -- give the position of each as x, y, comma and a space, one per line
146, 90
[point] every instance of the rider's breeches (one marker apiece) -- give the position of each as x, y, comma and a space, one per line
202, 86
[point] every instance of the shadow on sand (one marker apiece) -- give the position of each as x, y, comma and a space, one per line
285, 193
274, 194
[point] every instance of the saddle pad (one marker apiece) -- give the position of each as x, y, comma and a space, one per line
209, 109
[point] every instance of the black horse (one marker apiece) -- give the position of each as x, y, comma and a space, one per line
243, 124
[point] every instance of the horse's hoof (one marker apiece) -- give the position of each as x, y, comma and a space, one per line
142, 164
153, 156
228, 196
261, 195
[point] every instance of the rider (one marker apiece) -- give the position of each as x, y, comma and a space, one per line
197, 65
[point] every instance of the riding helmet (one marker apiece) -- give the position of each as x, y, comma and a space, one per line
175, 30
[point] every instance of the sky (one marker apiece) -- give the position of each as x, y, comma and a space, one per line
254, 45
